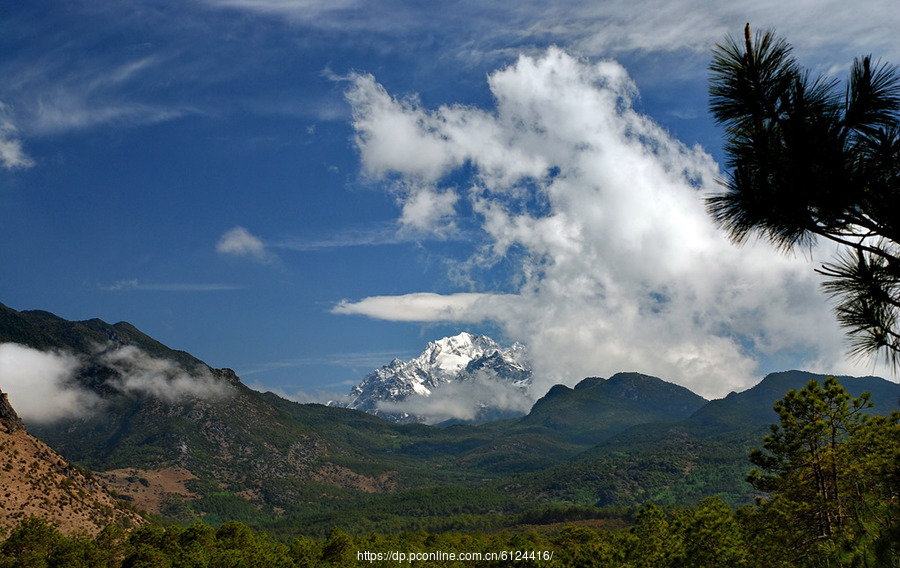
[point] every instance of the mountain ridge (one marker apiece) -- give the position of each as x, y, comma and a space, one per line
744, 407
259, 458
596, 408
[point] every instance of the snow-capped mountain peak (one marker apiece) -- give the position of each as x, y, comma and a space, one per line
466, 357
451, 355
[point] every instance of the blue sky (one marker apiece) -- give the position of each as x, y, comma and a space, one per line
303, 190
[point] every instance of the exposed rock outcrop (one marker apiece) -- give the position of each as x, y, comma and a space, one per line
9, 419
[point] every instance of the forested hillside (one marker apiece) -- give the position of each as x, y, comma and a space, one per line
196, 448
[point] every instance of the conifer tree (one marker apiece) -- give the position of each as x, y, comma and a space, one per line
809, 158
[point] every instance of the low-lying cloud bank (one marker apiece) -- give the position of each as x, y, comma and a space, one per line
469, 400
139, 373
43, 385
617, 266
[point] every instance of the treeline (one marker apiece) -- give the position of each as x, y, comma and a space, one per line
828, 477
709, 535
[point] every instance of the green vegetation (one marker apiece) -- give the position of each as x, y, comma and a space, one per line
827, 476
833, 474
274, 464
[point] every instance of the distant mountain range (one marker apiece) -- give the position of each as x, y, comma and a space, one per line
464, 378
189, 442
676, 461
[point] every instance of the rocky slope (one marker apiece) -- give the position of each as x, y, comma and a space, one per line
37, 481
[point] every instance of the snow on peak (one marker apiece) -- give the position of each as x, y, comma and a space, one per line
451, 355
464, 357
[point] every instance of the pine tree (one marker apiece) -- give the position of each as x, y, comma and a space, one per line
808, 159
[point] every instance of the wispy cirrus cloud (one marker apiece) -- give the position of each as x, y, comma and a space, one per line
375, 234
364, 360
136, 285
372, 235
56, 95
303, 10
12, 156
597, 28
157, 78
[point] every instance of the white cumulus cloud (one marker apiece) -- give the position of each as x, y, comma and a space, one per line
617, 265
240, 242
427, 209
41, 384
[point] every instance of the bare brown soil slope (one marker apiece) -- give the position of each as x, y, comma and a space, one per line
150, 489
37, 481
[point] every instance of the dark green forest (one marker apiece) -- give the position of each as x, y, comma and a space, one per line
828, 477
